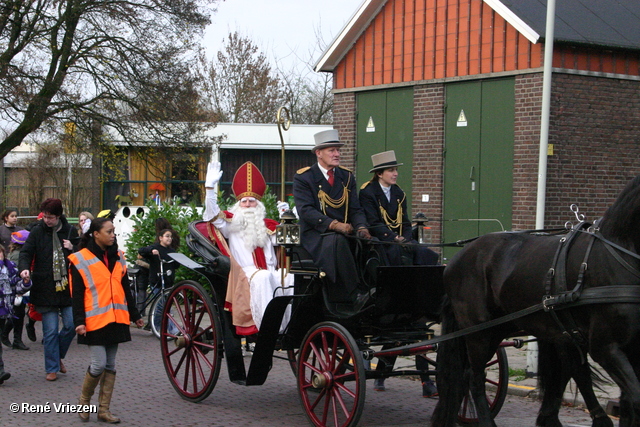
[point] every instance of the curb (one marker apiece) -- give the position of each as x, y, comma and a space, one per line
520, 390
611, 406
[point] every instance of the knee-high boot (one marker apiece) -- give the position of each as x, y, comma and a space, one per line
88, 387
107, 382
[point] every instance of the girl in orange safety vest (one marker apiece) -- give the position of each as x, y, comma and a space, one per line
102, 309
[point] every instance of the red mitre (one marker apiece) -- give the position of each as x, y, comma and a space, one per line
248, 182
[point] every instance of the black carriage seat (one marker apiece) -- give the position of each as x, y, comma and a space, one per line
301, 259
199, 241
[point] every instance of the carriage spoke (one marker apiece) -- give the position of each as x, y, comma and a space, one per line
492, 382
327, 364
339, 398
192, 347
183, 357
187, 367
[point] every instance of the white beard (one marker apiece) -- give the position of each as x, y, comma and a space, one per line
250, 222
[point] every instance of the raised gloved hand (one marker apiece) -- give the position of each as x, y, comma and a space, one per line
213, 174
363, 233
211, 198
341, 227
282, 207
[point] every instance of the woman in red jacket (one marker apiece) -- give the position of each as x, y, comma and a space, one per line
102, 310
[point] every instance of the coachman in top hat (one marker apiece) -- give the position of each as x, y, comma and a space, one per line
327, 201
385, 206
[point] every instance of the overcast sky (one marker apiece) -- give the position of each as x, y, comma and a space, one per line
282, 29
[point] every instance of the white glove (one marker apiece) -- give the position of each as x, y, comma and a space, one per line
282, 207
213, 174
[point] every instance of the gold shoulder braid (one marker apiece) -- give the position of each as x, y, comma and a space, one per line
325, 200
393, 224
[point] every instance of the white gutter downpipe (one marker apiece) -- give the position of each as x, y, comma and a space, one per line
532, 347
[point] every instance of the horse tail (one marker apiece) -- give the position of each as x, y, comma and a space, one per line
452, 363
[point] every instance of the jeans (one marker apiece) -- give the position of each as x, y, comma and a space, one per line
57, 342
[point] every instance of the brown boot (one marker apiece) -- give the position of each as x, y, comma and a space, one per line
107, 382
88, 387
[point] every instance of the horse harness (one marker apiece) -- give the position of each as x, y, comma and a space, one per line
615, 294
557, 295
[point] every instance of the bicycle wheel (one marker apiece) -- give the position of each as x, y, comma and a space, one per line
155, 311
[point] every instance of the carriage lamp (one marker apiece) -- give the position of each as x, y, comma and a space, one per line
287, 232
420, 219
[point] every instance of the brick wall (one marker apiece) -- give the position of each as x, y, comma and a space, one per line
526, 148
428, 145
596, 135
595, 131
344, 120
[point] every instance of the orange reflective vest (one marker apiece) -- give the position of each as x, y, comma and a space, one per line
104, 298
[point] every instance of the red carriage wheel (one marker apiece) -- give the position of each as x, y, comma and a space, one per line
497, 385
191, 341
331, 377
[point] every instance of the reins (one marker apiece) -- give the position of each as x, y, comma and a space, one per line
456, 244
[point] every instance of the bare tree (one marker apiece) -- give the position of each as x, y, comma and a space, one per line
53, 172
241, 84
125, 64
309, 98
308, 94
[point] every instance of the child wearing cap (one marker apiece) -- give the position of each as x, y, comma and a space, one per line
20, 303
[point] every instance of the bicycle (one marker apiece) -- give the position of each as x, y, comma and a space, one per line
154, 299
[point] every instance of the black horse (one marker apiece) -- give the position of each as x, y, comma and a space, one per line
578, 293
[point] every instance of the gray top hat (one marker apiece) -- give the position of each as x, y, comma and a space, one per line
384, 160
326, 138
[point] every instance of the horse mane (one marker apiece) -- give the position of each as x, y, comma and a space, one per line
620, 221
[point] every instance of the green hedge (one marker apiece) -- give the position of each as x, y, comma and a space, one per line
180, 218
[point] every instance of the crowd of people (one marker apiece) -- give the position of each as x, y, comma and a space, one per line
63, 276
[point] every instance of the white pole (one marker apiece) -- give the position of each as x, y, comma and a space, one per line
544, 120
532, 347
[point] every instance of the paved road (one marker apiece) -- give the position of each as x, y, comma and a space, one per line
144, 397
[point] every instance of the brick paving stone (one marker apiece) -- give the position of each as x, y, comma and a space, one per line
144, 397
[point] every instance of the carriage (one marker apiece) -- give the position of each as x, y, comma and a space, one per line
578, 293
327, 344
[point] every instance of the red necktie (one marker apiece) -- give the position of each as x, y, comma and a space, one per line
330, 173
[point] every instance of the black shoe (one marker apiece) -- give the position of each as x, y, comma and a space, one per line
4, 376
19, 346
429, 389
31, 332
6, 342
378, 384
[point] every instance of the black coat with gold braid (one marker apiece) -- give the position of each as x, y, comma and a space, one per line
387, 218
318, 204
